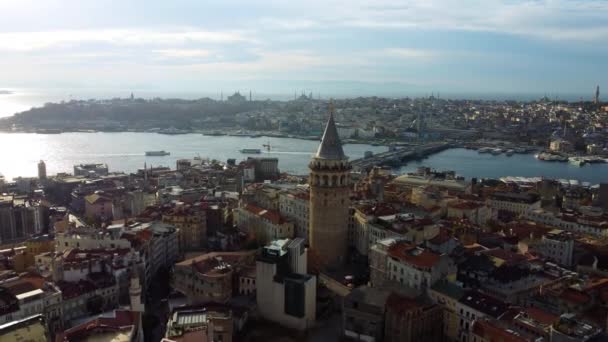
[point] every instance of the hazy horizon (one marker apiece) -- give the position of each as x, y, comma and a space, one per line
336, 48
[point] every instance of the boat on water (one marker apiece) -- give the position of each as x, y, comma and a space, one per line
484, 150
48, 131
251, 151
509, 153
577, 161
551, 157
157, 153
496, 151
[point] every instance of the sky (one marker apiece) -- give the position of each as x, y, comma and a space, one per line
321, 46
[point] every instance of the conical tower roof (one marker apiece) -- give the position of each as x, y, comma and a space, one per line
331, 147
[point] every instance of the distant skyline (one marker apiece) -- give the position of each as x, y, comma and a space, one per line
345, 48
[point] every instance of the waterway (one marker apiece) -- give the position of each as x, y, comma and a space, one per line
470, 163
20, 152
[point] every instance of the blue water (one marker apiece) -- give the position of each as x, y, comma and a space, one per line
20, 152
469, 163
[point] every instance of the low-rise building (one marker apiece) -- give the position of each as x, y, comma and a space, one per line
30, 329
412, 319
118, 325
211, 277
558, 246
264, 225
416, 267
569, 329
198, 323
363, 314
514, 202
192, 225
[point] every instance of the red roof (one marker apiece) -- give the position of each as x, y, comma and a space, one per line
465, 205
574, 296
489, 331
270, 215
400, 304
540, 315
122, 320
413, 255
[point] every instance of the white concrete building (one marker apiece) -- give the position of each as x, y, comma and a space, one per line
294, 205
557, 245
285, 293
416, 267
517, 203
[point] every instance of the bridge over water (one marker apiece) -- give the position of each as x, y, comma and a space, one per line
398, 156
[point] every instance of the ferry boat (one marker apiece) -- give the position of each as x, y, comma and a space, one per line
157, 153
251, 151
577, 161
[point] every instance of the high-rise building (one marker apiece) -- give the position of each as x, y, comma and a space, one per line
285, 293
329, 199
41, 171
597, 95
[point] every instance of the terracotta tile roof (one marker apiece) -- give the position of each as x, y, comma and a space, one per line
413, 255
400, 304
123, 320
268, 214
465, 205
489, 331
441, 238
540, 315
574, 296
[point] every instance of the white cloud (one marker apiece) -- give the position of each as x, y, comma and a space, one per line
183, 53
583, 20
31, 41
408, 53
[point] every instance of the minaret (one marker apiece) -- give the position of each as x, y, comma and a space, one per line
135, 294
597, 95
329, 199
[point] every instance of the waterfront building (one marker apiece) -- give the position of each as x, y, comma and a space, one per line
329, 199
41, 171
561, 145
91, 170
265, 168
286, 294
